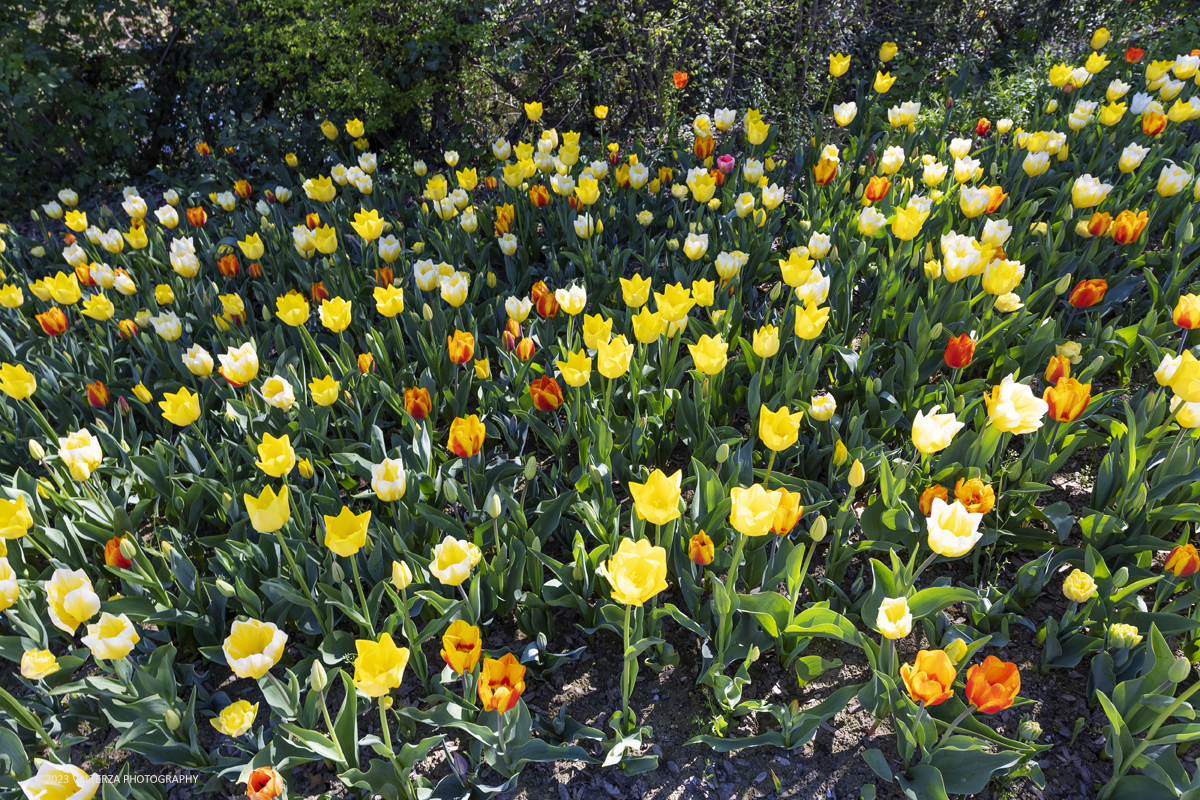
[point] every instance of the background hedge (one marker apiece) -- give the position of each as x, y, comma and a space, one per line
104, 92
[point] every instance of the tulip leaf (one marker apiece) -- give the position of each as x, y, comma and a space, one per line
935, 598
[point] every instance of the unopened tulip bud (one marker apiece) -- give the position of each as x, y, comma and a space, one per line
819, 529
935, 332
1179, 670
266, 314
840, 453
418, 247
172, 718
123, 405
450, 489
723, 453
1120, 577
672, 245
225, 588
34, 215
306, 468
339, 574
427, 313
956, 650
1030, 730
101, 425
491, 279
1063, 284
857, 476
128, 548
36, 451
317, 679
531, 468
776, 291
401, 575
670, 222
493, 506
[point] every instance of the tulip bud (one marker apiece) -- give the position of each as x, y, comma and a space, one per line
386, 702
101, 425
612, 211
493, 506
1179, 670
840, 453
936, 331
672, 245
1120, 577
531, 468
1030, 730
1063, 284
491, 279
36, 451
670, 222
225, 588
956, 650
172, 718
317, 679
723, 453
128, 548
450, 489
401, 575
427, 313
776, 291
819, 529
418, 247
266, 314
339, 574
857, 474
949, 102
306, 468
34, 215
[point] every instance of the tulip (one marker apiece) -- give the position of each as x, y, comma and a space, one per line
1184, 379
572, 300
883, 82
533, 111
501, 681
1183, 561
388, 480
993, 685
54, 322
1079, 586
933, 433
401, 575
269, 511
953, 530
15, 520
701, 549
637, 572
112, 638
975, 495
181, 408
1099, 38
780, 429
877, 188
657, 500
346, 533
930, 678
452, 560
647, 326
810, 321
236, 718
838, 64
576, 370
612, 357
379, 667
81, 452
931, 493
1067, 399
525, 349
70, 599
35, 665
461, 647
265, 783
894, 620
787, 513
1088, 293
16, 381
467, 436
55, 781
753, 510
278, 393
709, 354
959, 351
461, 347
1013, 408
1171, 180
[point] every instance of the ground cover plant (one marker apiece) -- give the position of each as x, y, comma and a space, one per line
336, 461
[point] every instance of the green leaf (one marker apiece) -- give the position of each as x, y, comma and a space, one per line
935, 598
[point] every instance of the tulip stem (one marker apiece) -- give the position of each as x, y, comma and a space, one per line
949, 730
731, 580
626, 684
298, 578
770, 466
329, 726
387, 734
362, 597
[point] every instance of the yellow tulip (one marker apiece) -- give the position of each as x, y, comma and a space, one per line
253, 647
98, 307
883, 82
389, 301
269, 511
70, 599
346, 533
324, 390
236, 718
576, 370
367, 224
335, 314
657, 500
180, 408
112, 637
252, 247
596, 330
648, 326
753, 510
674, 302
637, 572
709, 354
612, 357
635, 291
838, 64
780, 429
276, 456
766, 341
453, 560
810, 321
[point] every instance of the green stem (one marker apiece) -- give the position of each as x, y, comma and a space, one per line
770, 466
966, 713
299, 579
361, 596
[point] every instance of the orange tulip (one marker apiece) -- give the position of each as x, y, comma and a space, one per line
490, 181
1183, 561
1127, 227
537, 290
313, 221
127, 329
512, 328
505, 214
318, 292
97, 395
366, 363
539, 195
525, 349
995, 199
959, 351
930, 678
228, 265
83, 272
1153, 123
196, 216
546, 394
825, 171
384, 276
202, 148
925, 501
112, 553
680, 79
417, 402
255, 269
788, 513
1099, 224
1059, 367
1088, 293
461, 347
264, 784
1187, 312
877, 187
704, 147
977, 496
466, 436
242, 188
993, 685
701, 549
1134, 55
1067, 399
54, 322
501, 682
547, 306
983, 126
461, 646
